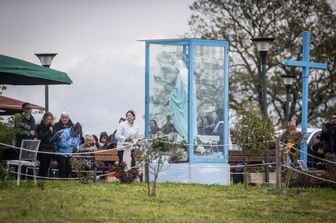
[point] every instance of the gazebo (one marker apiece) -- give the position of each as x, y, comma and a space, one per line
11, 106
14, 71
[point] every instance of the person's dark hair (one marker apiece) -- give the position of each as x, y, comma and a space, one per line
24, 106
219, 113
97, 141
46, 115
81, 140
154, 129
132, 112
122, 119
77, 128
155, 123
103, 134
210, 119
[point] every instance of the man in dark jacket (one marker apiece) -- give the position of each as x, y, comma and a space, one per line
25, 127
329, 136
45, 131
64, 122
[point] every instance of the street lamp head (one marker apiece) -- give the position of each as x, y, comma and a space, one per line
46, 58
288, 79
263, 43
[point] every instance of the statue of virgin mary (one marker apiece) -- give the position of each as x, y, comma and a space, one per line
178, 100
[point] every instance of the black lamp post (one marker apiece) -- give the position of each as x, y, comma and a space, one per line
46, 59
263, 45
288, 81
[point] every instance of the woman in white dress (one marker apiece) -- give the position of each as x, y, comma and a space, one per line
127, 134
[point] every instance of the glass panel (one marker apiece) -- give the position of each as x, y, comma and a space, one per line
168, 94
209, 84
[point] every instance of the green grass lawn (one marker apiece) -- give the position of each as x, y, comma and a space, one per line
113, 202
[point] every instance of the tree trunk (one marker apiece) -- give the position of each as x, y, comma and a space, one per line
156, 174
147, 177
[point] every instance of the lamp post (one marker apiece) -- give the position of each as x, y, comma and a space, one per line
46, 59
263, 45
288, 81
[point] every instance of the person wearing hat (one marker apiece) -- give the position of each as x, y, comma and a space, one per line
103, 140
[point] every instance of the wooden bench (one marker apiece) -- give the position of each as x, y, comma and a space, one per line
239, 156
104, 158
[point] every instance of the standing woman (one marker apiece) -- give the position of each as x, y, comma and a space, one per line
113, 142
127, 134
45, 131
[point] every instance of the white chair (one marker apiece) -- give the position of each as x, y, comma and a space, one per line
210, 140
27, 158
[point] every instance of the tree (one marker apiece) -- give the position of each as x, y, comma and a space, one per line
239, 21
7, 131
253, 130
156, 153
2, 88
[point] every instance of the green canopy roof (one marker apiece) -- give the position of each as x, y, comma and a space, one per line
19, 72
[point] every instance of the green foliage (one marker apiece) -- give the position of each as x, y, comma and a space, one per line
155, 155
164, 145
7, 131
2, 88
3, 173
79, 166
126, 176
71, 201
239, 21
331, 169
253, 130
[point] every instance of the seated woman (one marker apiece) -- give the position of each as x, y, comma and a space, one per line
318, 151
103, 140
207, 125
153, 128
95, 141
88, 146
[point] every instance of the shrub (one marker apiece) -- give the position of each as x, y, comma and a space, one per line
126, 176
253, 131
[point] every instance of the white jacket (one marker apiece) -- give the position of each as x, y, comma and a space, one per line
124, 131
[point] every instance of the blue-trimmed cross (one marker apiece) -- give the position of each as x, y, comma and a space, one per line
306, 65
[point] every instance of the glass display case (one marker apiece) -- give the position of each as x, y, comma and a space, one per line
187, 96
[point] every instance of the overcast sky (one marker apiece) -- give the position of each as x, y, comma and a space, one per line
96, 43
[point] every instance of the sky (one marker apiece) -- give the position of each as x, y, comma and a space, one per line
96, 45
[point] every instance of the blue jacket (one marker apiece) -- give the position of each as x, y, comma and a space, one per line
67, 142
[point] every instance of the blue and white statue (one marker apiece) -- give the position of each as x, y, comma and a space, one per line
178, 100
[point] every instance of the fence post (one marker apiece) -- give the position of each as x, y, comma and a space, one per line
278, 164
245, 173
